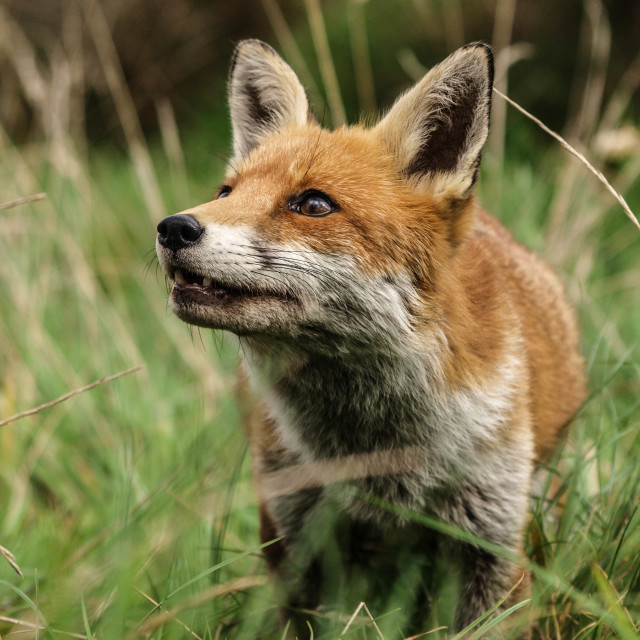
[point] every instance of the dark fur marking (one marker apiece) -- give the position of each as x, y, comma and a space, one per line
441, 150
480, 493
275, 553
471, 515
482, 586
377, 559
486, 49
242, 45
265, 255
258, 111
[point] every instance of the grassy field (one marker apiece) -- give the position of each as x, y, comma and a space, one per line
129, 508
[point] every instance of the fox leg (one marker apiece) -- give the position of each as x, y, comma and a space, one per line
487, 579
495, 511
295, 567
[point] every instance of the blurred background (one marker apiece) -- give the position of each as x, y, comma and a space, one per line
178, 52
129, 509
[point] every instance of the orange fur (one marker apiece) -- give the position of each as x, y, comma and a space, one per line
478, 288
412, 345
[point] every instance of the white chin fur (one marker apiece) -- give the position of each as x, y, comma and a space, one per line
327, 300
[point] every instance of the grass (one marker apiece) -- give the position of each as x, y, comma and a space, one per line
129, 508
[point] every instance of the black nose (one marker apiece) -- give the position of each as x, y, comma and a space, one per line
179, 231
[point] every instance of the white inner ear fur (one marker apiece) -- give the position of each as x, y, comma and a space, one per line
461, 81
264, 96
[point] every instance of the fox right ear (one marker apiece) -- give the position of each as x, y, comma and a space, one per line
437, 129
264, 95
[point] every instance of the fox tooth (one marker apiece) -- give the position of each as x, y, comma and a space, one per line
206, 282
179, 278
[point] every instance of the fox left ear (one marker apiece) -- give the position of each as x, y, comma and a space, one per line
264, 95
437, 129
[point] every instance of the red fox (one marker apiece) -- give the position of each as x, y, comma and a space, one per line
407, 355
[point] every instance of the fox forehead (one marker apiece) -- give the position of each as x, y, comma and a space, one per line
347, 164
308, 150
377, 212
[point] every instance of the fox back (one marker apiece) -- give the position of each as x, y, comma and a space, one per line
402, 353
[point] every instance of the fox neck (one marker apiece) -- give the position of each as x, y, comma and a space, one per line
329, 407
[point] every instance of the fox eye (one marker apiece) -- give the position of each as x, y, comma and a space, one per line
313, 203
224, 191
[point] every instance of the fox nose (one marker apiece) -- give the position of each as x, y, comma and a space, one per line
179, 231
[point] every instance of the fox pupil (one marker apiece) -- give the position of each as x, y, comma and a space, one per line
315, 206
225, 190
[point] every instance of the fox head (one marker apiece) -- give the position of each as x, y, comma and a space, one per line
333, 240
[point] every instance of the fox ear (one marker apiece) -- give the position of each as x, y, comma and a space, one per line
264, 95
437, 129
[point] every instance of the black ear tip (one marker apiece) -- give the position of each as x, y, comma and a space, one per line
254, 42
479, 45
487, 51
244, 44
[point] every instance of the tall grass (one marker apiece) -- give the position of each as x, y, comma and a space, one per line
129, 508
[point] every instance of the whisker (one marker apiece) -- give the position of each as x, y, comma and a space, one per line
221, 155
273, 256
324, 279
355, 315
148, 266
201, 340
314, 154
218, 341
263, 250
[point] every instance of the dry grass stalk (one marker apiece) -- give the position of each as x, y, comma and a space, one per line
501, 39
429, 21
585, 105
361, 58
426, 633
158, 605
615, 599
288, 43
37, 627
578, 155
587, 100
172, 146
327, 68
85, 279
51, 89
19, 201
22, 55
410, 64
622, 96
362, 605
11, 559
453, 22
212, 593
125, 106
66, 396
73, 46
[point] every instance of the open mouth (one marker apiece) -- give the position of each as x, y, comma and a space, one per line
244, 309
188, 282
206, 289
